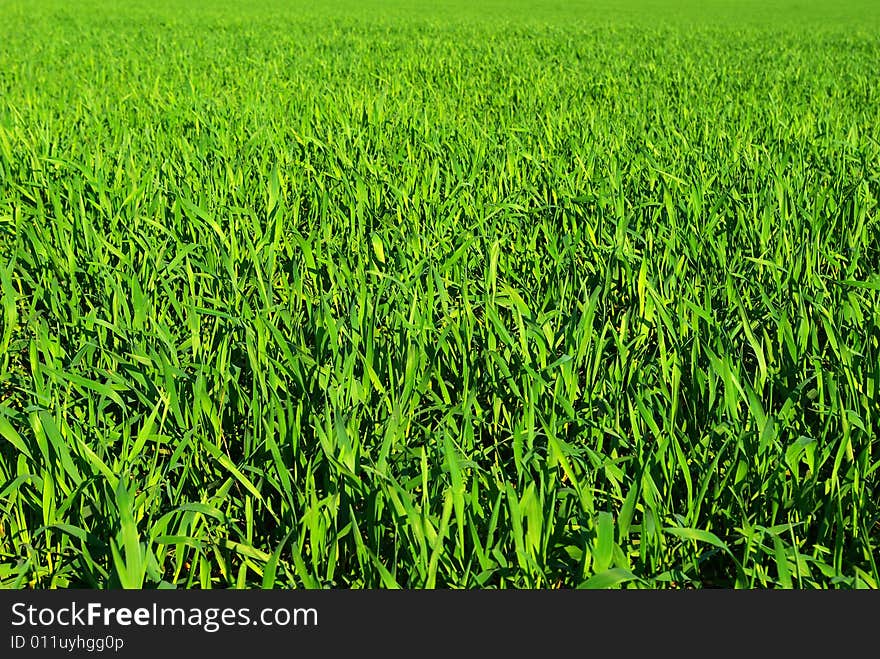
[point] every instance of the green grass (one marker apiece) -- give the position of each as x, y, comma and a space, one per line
469, 295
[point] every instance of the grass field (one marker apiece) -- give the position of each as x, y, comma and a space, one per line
468, 294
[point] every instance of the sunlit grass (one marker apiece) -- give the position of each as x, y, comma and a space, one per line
369, 299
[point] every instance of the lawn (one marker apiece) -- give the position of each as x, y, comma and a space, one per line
494, 294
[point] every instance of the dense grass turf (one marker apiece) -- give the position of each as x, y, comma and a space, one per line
506, 295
